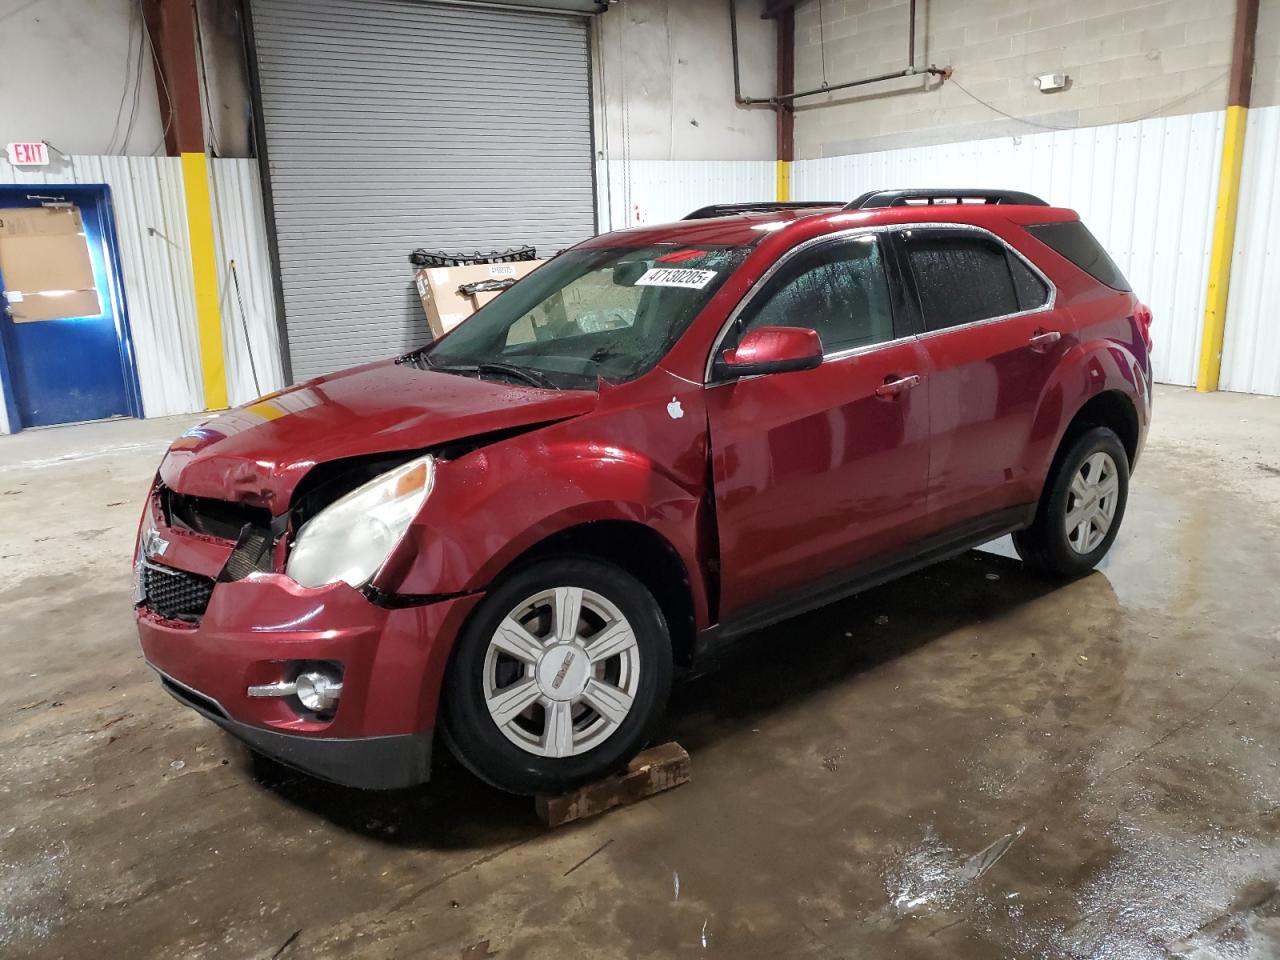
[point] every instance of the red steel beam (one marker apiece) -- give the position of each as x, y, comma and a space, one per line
1240, 87
171, 25
786, 34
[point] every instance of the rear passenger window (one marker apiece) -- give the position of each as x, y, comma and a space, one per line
961, 277
1072, 239
837, 288
1032, 291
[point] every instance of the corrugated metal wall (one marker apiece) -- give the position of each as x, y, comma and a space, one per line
396, 124
1147, 189
1251, 350
240, 234
151, 227
658, 191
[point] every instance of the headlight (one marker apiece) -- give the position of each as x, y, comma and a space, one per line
352, 537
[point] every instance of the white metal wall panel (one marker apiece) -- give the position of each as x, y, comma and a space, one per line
240, 234
633, 192
1251, 349
1146, 189
394, 124
151, 230
155, 253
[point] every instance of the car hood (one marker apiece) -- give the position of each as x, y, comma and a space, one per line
257, 453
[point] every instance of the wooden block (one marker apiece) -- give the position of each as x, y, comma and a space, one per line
657, 769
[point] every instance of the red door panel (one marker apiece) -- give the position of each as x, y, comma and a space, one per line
987, 384
815, 472
993, 341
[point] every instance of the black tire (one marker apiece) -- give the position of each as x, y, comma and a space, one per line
1045, 545
476, 739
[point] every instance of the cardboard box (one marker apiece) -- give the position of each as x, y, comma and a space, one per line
52, 305
444, 302
44, 259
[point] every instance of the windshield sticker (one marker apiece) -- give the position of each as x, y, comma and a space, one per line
674, 277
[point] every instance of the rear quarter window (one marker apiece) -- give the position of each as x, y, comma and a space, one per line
1032, 291
1072, 239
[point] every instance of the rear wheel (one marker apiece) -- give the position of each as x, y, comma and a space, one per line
559, 678
1080, 511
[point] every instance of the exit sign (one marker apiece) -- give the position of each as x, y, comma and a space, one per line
28, 154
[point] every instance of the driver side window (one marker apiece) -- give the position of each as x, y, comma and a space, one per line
837, 288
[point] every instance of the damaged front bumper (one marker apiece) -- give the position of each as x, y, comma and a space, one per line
257, 631
371, 763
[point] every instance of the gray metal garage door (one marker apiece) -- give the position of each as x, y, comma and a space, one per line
394, 124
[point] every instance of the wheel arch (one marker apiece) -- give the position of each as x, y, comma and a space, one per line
1113, 409
1110, 407
645, 554
1096, 383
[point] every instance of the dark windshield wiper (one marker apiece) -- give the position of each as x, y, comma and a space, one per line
532, 377
467, 369
606, 353
522, 373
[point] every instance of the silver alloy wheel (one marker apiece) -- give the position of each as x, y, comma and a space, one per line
1091, 502
561, 672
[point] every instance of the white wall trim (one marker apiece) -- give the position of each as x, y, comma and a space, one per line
1251, 347
659, 191
1146, 189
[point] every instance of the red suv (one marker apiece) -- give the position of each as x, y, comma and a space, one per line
662, 439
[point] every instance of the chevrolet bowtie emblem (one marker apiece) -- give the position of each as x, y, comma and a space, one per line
154, 545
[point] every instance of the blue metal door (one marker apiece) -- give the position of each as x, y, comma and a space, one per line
72, 368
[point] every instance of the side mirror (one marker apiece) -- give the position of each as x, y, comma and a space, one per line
772, 350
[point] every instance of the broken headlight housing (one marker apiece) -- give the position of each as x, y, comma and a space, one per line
351, 538
139, 554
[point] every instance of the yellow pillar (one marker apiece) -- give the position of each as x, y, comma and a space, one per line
783, 181
1224, 239
204, 269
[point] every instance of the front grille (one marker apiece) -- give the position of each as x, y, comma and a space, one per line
175, 594
216, 518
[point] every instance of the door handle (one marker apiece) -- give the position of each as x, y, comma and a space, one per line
893, 387
1042, 340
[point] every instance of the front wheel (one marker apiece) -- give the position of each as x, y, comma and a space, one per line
1080, 511
559, 678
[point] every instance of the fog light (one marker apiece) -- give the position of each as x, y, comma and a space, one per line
317, 686
318, 691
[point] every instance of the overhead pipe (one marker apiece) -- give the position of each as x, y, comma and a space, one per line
733, 44
911, 36
780, 99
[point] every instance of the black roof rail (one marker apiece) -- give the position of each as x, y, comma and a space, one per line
901, 198
762, 206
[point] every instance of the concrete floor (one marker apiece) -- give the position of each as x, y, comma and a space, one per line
967, 763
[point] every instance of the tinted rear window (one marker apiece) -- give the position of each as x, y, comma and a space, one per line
961, 277
1072, 239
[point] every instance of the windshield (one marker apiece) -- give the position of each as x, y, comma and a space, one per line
610, 313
